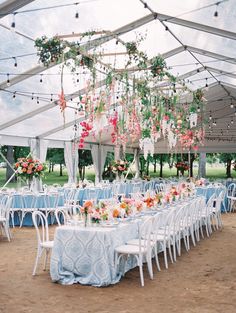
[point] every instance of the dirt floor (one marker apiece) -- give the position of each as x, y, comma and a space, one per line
201, 281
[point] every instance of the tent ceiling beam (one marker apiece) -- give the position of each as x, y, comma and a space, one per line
191, 73
225, 73
59, 128
10, 6
46, 107
193, 25
211, 54
17, 32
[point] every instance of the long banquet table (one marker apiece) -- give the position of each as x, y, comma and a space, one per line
86, 255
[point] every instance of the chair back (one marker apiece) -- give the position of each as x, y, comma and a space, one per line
62, 217
219, 200
145, 230
5, 205
28, 200
51, 200
231, 190
40, 219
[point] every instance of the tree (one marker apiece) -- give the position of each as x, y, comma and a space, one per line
227, 159
12, 153
85, 159
155, 159
212, 158
56, 156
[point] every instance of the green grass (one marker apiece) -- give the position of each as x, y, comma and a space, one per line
53, 177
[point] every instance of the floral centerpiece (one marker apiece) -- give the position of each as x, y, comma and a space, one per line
174, 193
28, 168
126, 206
150, 201
119, 167
100, 213
182, 166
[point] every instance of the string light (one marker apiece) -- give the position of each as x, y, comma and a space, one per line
13, 23
14, 95
15, 61
37, 100
206, 86
210, 116
216, 11
232, 121
41, 78
8, 80
51, 98
231, 104
32, 98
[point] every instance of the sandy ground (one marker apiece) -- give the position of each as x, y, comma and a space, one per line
203, 280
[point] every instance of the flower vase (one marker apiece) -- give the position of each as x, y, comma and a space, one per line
86, 220
30, 183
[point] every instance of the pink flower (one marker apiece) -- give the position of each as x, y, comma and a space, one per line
39, 167
81, 146
25, 164
85, 134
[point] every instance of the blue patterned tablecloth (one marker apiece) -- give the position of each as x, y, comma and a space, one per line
86, 255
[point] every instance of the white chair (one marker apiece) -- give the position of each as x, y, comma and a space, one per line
44, 244
231, 196
143, 249
206, 215
216, 211
165, 235
50, 205
62, 216
28, 204
5, 204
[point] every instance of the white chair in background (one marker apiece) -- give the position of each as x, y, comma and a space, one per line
216, 211
28, 205
62, 216
206, 215
50, 205
140, 252
44, 244
231, 196
5, 204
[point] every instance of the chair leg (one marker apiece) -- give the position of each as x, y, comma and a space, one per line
165, 257
149, 264
46, 259
141, 272
6, 230
157, 259
170, 253
39, 252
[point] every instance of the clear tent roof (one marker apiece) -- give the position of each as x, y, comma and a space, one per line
204, 55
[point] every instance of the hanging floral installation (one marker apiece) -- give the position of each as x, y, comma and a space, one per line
131, 105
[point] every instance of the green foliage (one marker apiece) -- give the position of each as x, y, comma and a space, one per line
49, 49
225, 157
157, 66
55, 156
85, 158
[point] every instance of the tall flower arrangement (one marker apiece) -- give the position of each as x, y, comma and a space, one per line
29, 168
